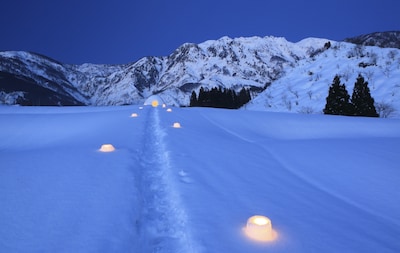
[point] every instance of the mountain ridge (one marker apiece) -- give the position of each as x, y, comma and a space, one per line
390, 39
250, 62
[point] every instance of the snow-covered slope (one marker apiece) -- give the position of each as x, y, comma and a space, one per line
304, 88
328, 183
37, 79
232, 63
294, 76
379, 39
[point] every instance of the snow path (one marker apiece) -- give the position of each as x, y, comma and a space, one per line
163, 225
329, 184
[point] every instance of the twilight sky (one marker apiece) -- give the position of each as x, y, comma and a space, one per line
123, 31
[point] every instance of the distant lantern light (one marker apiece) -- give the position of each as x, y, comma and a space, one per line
141, 107
134, 115
154, 103
164, 105
176, 125
107, 148
169, 110
259, 228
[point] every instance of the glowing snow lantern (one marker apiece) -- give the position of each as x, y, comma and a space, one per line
134, 115
107, 148
176, 125
154, 100
169, 110
164, 105
154, 103
259, 228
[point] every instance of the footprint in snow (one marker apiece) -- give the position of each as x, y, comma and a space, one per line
184, 178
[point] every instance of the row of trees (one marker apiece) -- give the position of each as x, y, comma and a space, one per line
361, 103
220, 98
338, 101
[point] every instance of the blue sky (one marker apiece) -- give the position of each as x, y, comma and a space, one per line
123, 31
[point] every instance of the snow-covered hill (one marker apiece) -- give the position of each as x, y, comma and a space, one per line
304, 88
243, 62
379, 39
296, 75
328, 183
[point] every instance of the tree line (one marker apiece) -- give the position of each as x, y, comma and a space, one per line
361, 103
220, 98
338, 101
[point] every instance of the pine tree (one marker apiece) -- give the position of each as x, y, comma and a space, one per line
337, 102
220, 98
243, 97
193, 99
232, 99
362, 100
201, 99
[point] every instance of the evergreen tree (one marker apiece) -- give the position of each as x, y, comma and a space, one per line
214, 98
220, 98
232, 99
361, 99
201, 100
243, 97
226, 98
337, 102
193, 99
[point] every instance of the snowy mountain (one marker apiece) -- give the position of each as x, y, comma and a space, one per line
304, 70
304, 88
232, 63
379, 39
328, 183
32, 79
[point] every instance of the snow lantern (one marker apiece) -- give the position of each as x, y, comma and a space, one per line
134, 115
259, 228
169, 110
154, 101
176, 125
107, 148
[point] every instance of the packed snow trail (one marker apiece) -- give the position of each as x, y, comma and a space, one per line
233, 151
163, 223
192, 189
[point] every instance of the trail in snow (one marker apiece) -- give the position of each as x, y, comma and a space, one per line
162, 226
192, 189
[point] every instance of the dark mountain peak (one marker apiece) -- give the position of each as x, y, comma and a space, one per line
389, 39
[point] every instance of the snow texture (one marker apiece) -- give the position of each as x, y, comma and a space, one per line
328, 183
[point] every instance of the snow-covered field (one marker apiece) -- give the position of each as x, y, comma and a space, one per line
328, 183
